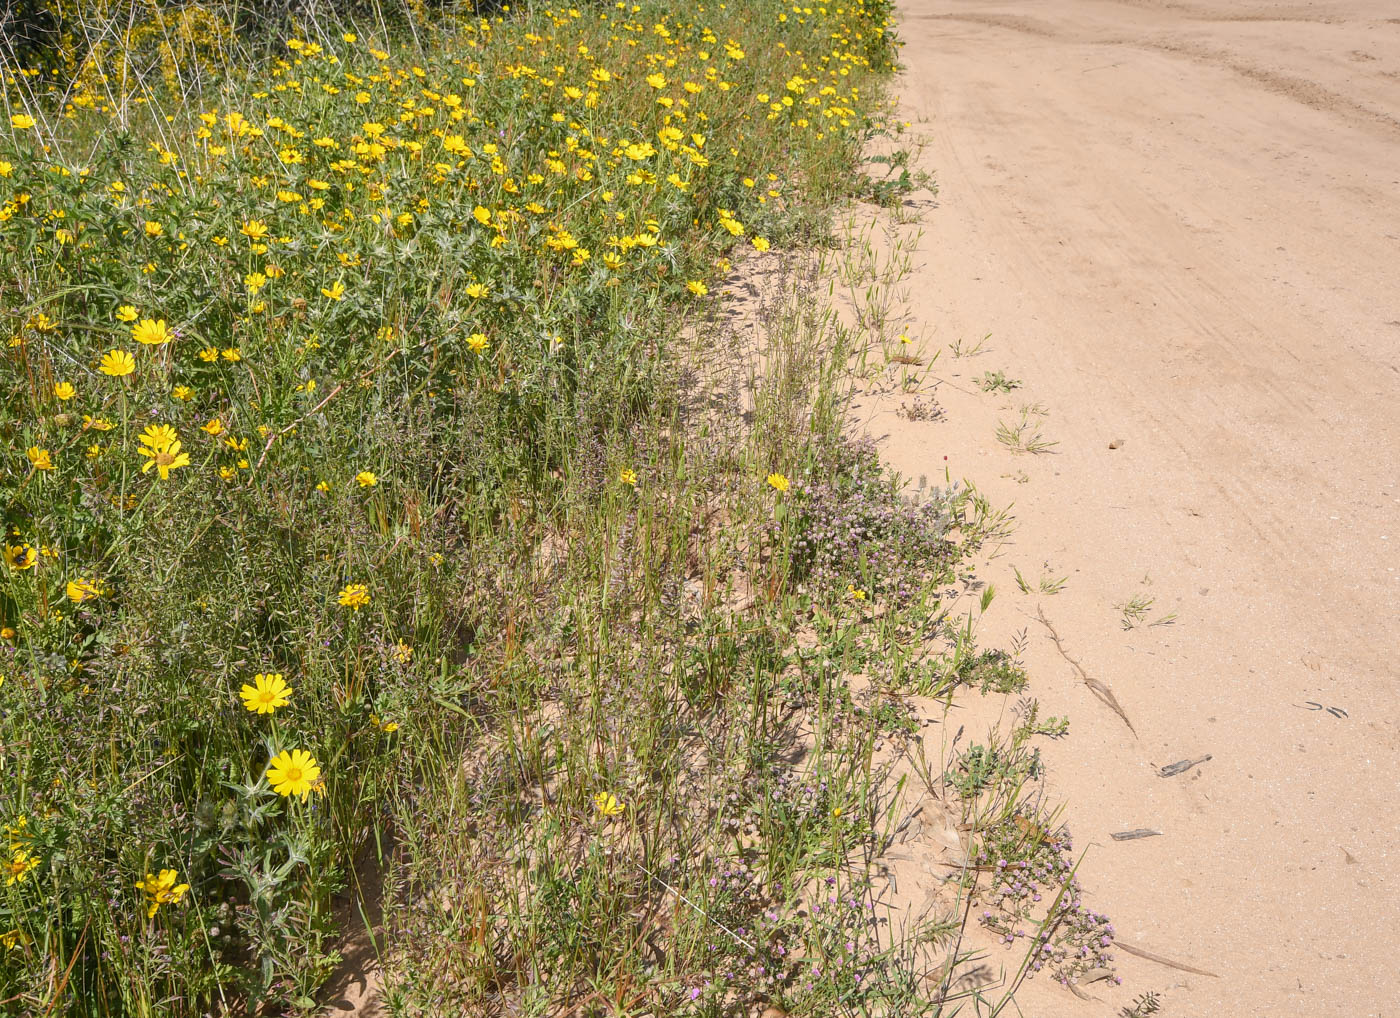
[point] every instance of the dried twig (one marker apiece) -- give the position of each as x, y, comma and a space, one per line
1162, 961
272, 438
1102, 692
1137, 832
62, 984
1181, 766
700, 911
290, 427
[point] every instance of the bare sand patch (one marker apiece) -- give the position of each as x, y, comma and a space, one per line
1178, 222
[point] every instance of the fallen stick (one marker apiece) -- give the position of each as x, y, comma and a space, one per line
1182, 766
1102, 692
1139, 832
272, 438
1162, 961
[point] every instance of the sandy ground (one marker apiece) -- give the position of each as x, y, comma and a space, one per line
1180, 224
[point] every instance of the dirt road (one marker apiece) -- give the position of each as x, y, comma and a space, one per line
1180, 224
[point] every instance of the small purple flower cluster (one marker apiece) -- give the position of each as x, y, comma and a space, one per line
1069, 939
749, 955
823, 949
797, 799
852, 528
842, 944
786, 799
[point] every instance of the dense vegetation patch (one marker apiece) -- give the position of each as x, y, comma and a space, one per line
352, 526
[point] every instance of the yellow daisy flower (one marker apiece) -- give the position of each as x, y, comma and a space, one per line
117, 363
355, 596
20, 556
81, 589
293, 772
607, 804
267, 693
160, 444
161, 890
18, 867
151, 332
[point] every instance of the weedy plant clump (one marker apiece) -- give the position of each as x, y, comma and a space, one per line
1033, 901
1035, 897
854, 533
